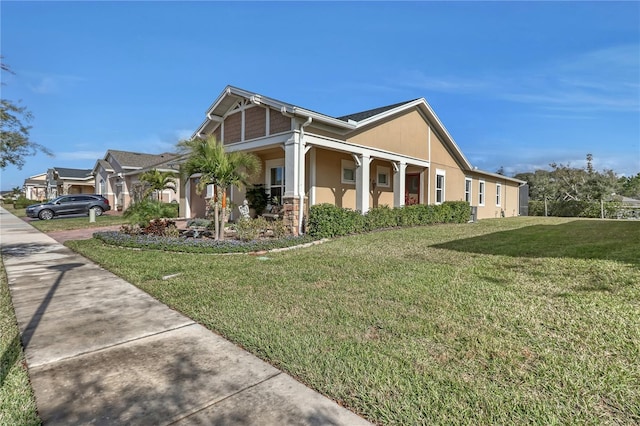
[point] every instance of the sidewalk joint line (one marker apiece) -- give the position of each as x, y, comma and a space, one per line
216, 402
104, 348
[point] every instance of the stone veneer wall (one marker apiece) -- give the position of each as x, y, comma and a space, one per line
291, 212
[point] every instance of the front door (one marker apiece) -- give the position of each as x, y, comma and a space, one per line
412, 189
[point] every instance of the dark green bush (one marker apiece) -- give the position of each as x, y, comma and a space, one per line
382, 217
536, 208
142, 212
459, 211
258, 198
22, 202
327, 220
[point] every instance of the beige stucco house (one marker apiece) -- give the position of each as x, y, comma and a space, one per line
394, 155
117, 174
35, 187
64, 181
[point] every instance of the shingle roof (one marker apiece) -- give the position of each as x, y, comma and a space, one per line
64, 173
359, 116
139, 160
105, 164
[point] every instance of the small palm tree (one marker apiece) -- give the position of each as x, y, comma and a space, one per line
158, 181
16, 192
218, 167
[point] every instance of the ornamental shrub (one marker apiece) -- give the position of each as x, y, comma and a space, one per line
381, 217
142, 212
327, 220
250, 229
459, 211
22, 202
192, 245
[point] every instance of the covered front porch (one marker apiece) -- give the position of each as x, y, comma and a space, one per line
301, 170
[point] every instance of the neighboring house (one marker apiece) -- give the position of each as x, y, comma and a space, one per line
8, 196
630, 208
35, 187
395, 155
631, 202
117, 175
64, 181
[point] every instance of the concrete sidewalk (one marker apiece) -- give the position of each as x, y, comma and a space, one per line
101, 351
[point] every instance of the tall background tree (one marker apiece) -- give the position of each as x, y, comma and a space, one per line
629, 186
15, 144
158, 181
217, 167
571, 189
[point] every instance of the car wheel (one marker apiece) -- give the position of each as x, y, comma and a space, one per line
45, 214
98, 210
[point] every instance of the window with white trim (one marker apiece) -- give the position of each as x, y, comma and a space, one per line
440, 183
481, 193
467, 190
274, 180
348, 175
382, 176
210, 191
498, 194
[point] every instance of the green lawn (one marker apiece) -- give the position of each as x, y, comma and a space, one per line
506, 321
15, 212
63, 223
17, 403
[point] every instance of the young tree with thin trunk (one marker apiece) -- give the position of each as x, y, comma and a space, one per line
158, 181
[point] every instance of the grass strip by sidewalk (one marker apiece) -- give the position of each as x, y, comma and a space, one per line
17, 403
68, 223
507, 321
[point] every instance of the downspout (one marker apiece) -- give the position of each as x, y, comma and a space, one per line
301, 147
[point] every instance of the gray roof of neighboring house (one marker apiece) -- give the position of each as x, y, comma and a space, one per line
105, 165
631, 201
359, 116
64, 173
137, 160
35, 182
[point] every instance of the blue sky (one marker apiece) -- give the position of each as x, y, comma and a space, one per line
517, 84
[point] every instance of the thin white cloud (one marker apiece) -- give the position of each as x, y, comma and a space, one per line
45, 86
600, 80
151, 144
447, 84
51, 84
79, 155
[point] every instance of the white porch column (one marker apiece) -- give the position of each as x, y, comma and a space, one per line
362, 182
187, 198
422, 188
291, 164
399, 182
312, 177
